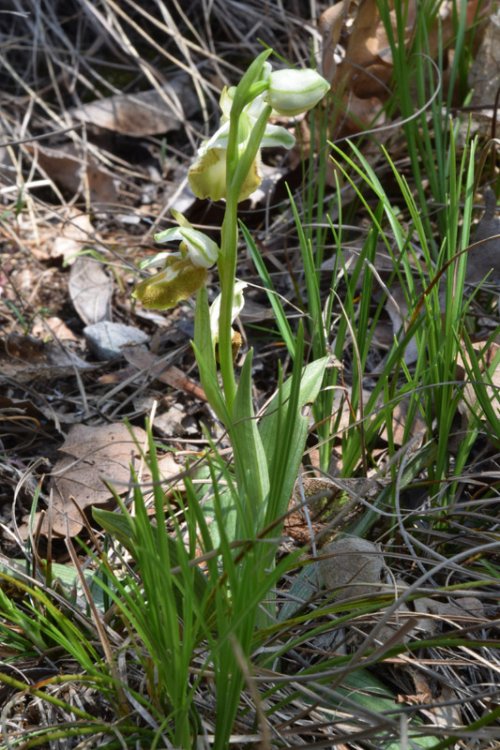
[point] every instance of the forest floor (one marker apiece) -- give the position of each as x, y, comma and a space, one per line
395, 182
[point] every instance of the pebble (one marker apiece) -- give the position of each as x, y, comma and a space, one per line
106, 339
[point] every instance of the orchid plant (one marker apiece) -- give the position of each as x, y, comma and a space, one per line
226, 605
228, 167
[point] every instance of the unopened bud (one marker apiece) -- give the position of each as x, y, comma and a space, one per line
294, 91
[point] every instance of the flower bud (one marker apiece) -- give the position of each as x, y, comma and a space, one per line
236, 307
294, 91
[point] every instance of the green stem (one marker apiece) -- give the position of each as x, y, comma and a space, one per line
227, 273
237, 169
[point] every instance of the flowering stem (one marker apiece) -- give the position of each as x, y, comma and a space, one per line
227, 273
237, 169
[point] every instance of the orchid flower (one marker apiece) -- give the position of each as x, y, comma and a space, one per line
288, 92
207, 175
179, 280
184, 271
237, 307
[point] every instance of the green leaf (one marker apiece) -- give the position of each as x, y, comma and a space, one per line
365, 689
118, 525
311, 277
304, 588
281, 318
284, 428
250, 457
123, 527
244, 91
205, 357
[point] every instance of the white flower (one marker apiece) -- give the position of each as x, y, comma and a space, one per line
184, 272
200, 249
207, 175
237, 307
292, 91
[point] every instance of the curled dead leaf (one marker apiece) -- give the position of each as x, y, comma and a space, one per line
90, 288
76, 172
352, 567
145, 113
25, 358
94, 459
330, 25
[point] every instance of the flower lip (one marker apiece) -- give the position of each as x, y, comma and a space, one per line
178, 281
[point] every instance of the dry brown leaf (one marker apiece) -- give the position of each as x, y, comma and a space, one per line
24, 358
351, 566
423, 691
330, 25
364, 71
52, 328
446, 711
366, 68
90, 289
169, 422
144, 113
141, 358
92, 455
73, 233
75, 172
463, 611
400, 425
361, 113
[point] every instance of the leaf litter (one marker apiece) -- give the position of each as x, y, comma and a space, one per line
59, 409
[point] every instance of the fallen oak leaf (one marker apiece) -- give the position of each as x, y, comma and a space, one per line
95, 458
330, 25
91, 289
72, 171
366, 65
144, 113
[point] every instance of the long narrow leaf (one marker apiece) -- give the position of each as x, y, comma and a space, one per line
281, 318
